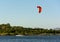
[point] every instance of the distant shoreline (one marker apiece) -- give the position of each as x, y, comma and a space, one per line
7, 29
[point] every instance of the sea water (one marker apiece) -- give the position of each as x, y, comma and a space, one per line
30, 38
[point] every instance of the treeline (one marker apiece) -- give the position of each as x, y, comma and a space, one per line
7, 29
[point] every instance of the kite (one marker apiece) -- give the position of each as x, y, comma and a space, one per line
39, 9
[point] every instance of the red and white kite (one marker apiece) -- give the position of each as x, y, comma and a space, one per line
39, 9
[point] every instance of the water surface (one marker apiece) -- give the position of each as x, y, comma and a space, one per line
29, 38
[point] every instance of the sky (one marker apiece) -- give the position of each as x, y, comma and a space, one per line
25, 13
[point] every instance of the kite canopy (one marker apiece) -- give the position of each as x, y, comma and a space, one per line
39, 9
